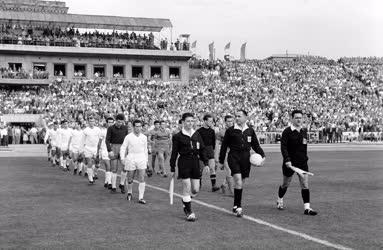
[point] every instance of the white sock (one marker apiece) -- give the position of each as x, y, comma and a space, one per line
107, 177
280, 199
90, 173
123, 178
80, 166
64, 164
74, 165
141, 190
307, 206
61, 161
130, 187
114, 180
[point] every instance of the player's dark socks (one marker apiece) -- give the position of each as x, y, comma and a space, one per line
282, 191
213, 179
237, 197
187, 207
200, 182
305, 195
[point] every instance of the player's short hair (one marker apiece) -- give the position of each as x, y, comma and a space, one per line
296, 111
120, 117
186, 115
109, 118
136, 122
162, 121
243, 111
207, 117
180, 121
156, 122
227, 117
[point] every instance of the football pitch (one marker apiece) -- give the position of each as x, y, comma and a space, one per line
43, 207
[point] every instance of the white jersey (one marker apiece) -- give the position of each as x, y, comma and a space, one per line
53, 135
91, 138
77, 139
137, 146
64, 136
103, 137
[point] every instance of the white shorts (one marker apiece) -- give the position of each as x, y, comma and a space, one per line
104, 155
90, 152
135, 162
74, 149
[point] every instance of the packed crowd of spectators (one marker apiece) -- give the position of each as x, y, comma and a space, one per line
20, 73
70, 37
336, 96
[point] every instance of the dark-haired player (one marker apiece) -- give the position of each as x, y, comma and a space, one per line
294, 151
208, 137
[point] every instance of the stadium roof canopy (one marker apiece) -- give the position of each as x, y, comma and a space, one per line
86, 21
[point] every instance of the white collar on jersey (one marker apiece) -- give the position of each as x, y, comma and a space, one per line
295, 128
236, 126
188, 134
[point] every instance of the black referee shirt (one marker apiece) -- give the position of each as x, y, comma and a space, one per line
294, 146
239, 141
188, 147
208, 136
115, 135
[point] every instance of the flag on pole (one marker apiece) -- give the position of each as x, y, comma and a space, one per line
243, 52
211, 51
227, 49
194, 45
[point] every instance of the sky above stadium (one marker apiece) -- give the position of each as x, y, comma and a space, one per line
331, 28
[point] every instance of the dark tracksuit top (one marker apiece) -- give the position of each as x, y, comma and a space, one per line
115, 135
294, 149
239, 141
190, 151
208, 136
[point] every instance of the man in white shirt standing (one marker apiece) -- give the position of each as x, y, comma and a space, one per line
75, 148
136, 146
52, 137
65, 134
90, 142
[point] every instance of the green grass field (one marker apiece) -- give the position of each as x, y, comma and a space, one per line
43, 207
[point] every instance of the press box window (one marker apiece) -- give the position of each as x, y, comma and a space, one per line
137, 71
118, 71
15, 66
174, 73
155, 72
40, 66
99, 70
59, 69
79, 70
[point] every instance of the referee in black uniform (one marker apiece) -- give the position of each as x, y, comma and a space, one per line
189, 146
240, 139
294, 153
208, 137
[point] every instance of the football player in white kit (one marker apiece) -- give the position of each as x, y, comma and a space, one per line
75, 148
65, 134
136, 144
104, 153
52, 136
90, 142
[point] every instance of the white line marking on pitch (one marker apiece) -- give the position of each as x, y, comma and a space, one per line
258, 221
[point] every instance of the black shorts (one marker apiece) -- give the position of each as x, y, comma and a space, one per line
209, 152
239, 163
288, 172
188, 167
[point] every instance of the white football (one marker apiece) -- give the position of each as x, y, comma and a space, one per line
256, 159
